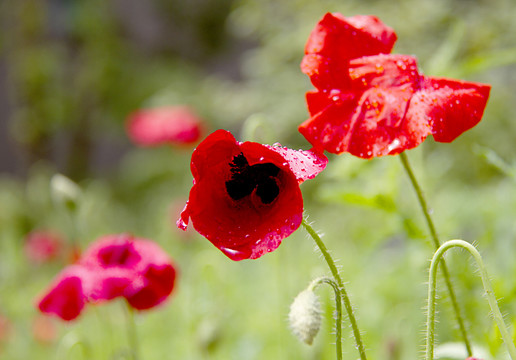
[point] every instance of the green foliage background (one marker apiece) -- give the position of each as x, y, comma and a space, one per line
75, 69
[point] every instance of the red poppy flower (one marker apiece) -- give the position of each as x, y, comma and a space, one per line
43, 246
113, 266
246, 197
165, 125
370, 103
134, 268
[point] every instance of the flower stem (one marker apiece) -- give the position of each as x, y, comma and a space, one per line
344, 295
131, 332
436, 242
493, 304
338, 310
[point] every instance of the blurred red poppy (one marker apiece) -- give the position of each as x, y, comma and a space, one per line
174, 125
113, 266
370, 103
246, 197
134, 268
42, 246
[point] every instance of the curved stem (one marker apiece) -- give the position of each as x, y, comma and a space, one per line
338, 310
344, 295
436, 242
493, 304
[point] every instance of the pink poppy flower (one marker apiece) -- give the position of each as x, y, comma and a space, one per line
42, 246
174, 125
371, 103
246, 198
113, 266
134, 268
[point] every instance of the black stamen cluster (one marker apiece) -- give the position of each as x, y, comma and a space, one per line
246, 178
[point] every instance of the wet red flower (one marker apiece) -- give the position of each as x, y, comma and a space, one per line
246, 197
371, 103
164, 125
43, 246
113, 266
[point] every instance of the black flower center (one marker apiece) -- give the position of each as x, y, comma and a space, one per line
246, 178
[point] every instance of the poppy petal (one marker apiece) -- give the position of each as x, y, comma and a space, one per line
65, 297
450, 106
336, 36
305, 164
384, 71
335, 40
164, 125
328, 129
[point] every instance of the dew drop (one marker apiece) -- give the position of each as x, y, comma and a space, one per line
393, 145
233, 254
181, 224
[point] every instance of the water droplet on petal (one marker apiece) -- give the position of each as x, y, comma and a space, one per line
234, 254
393, 145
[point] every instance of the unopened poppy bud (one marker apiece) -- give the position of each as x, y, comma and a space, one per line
64, 191
305, 316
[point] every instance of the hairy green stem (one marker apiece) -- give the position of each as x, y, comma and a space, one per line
344, 295
437, 243
338, 310
493, 304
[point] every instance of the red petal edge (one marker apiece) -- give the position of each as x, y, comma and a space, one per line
305, 164
451, 106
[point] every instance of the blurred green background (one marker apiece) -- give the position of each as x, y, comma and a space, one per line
72, 70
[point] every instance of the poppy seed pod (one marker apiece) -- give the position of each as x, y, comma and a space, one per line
305, 316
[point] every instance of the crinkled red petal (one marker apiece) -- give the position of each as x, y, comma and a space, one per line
330, 128
338, 37
449, 106
380, 125
384, 71
335, 40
